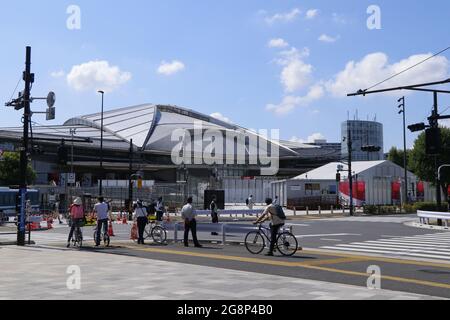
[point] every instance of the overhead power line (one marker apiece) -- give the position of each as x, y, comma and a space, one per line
407, 69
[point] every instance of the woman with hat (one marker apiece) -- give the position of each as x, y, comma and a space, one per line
77, 216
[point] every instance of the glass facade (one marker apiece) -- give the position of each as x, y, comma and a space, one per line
363, 133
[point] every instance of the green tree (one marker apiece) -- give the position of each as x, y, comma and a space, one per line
396, 156
424, 166
10, 170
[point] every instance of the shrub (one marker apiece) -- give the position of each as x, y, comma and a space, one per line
429, 206
409, 208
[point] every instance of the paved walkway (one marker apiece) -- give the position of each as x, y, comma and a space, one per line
41, 273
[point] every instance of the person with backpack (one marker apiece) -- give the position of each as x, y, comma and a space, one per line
214, 213
275, 214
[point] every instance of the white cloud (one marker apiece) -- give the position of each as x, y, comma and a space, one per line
289, 103
296, 73
58, 74
277, 43
170, 68
221, 117
327, 38
283, 17
311, 139
97, 75
312, 13
375, 67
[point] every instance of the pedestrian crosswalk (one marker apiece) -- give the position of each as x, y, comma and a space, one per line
428, 246
399, 219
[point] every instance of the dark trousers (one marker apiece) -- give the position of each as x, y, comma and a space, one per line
142, 223
274, 235
102, 226
76, 223
215, 219
159, 215
190, 225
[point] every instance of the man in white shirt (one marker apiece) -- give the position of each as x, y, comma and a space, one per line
190, 223
101, 210
250, 203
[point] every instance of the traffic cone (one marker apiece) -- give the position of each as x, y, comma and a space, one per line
110, 230
49, 223
125, 219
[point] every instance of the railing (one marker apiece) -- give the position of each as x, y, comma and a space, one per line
425, 217
223, 229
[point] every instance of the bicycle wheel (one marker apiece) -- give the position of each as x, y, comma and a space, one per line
287, 244
148, 231
159, 235
254, 242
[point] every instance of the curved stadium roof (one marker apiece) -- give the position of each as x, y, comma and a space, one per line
151, 126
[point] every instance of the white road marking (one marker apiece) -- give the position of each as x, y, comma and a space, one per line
435, 246
328, 234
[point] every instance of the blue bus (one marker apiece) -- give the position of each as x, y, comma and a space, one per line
8, 199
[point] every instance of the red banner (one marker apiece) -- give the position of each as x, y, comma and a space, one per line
359, 191
396, 190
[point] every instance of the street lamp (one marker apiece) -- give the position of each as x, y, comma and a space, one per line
101, 145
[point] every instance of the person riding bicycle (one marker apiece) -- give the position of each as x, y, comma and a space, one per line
77, 216
101, 211
270, 213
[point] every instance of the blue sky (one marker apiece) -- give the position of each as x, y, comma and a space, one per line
216, 58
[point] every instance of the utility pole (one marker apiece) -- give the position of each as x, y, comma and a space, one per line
350, 173
23, 102
28, 77
434, 124
405, 162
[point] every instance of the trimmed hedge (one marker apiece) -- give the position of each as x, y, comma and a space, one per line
429, 206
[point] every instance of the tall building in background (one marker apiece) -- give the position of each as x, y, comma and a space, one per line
363, 133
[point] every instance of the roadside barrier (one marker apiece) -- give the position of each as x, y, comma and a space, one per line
224, 229
425, 217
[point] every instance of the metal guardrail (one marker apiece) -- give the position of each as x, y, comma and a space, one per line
223, 229
425, 216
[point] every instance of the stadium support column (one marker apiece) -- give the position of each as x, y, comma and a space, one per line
130, 183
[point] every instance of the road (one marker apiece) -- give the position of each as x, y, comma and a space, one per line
336, 251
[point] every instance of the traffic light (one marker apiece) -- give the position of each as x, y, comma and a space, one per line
62, 154
433, 141
417, 127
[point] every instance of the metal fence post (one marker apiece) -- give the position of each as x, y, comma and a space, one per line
320, 210
224, 234
332, 210
175, 235
307, 211
295, 211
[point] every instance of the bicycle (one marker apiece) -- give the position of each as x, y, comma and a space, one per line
156, 232
104, 236
77, 239
286, 243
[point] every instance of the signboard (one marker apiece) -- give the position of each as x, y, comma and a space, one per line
71, 178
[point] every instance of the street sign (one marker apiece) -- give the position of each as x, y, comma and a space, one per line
71, 178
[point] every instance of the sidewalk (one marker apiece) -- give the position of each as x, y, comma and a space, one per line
41, 273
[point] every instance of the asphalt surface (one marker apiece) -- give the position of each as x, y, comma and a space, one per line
406, 274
